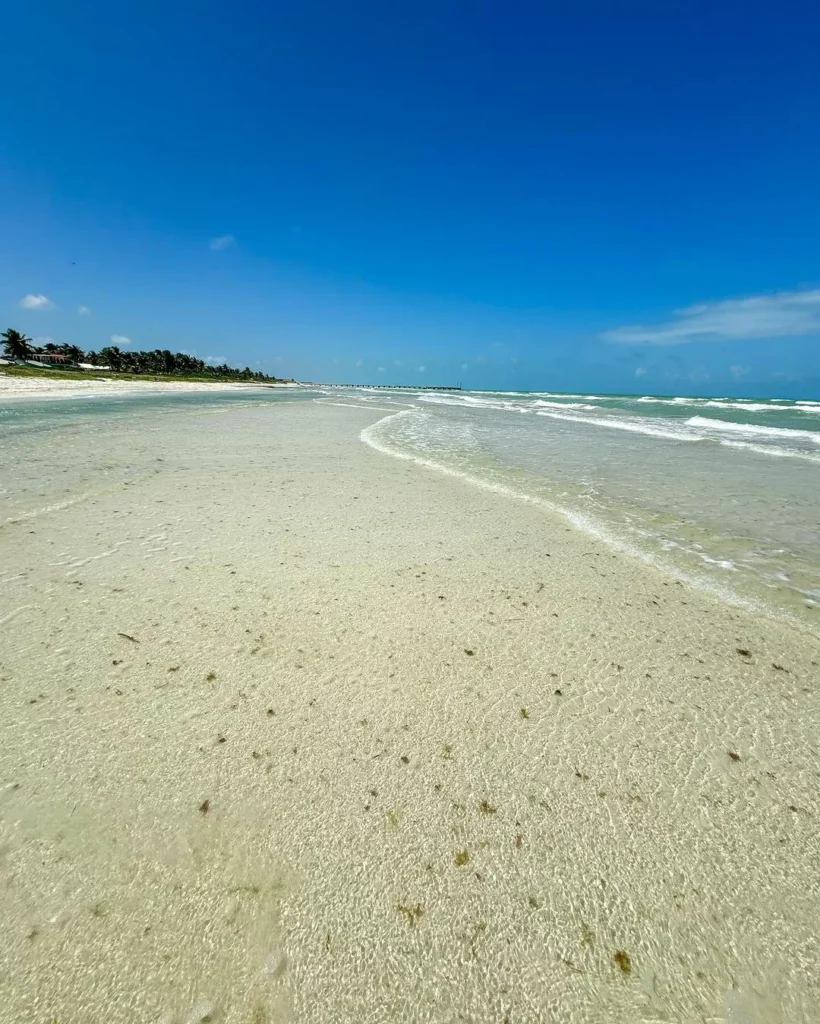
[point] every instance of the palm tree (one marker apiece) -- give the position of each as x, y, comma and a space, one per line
111, 356
73, 352
15, 344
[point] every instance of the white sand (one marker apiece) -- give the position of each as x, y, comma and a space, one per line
369, 670
44, 387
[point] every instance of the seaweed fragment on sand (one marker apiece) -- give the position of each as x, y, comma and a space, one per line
622, 961
413, 912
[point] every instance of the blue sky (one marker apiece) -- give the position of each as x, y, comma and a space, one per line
569, 195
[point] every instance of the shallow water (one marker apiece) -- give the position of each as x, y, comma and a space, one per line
724, 491
57, 451
298, 731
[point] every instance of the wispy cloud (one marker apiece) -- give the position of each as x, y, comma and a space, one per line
739, 372
221, 242
83, 310
31, 301
421, 369
381, 369
43, 341
120, 340
215, 360
640, 371
465, 366
358, 362
783, 315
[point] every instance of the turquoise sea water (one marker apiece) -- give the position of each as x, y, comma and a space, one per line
722, 491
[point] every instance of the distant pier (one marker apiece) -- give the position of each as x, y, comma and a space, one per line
386, 387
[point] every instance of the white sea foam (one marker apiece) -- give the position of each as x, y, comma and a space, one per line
543, 404
670, 401
633, 425
773, 450
785, 433
748, 406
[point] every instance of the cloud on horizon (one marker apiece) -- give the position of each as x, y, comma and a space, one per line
215, 360
39, 301
783, 315
221, 242
120, 340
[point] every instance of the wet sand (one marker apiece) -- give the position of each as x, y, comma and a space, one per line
294, 731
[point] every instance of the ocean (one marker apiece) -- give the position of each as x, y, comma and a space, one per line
722, 492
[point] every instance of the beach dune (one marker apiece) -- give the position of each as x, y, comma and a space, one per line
296, 731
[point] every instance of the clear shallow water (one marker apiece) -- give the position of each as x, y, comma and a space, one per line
57, 451
725, 491
20, 416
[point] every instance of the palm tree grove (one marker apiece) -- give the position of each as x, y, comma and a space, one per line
18, 348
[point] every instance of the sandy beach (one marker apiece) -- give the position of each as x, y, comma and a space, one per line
44, 387
294, 731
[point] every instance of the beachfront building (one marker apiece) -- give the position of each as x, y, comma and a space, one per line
51, 358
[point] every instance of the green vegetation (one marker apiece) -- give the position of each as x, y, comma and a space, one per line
157, 365
15, 344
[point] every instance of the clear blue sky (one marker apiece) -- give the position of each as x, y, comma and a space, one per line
619, 196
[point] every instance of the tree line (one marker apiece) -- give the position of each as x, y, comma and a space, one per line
159, 361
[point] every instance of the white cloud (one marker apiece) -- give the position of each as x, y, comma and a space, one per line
83, 310
739, 372
783, 315
43, 341
215, 360
381, 369
640, 371
421, 369
120, 340
465, 366
36, 302
358, 362
221, 242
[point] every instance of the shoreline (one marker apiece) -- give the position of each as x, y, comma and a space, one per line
37, 388
304, 732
